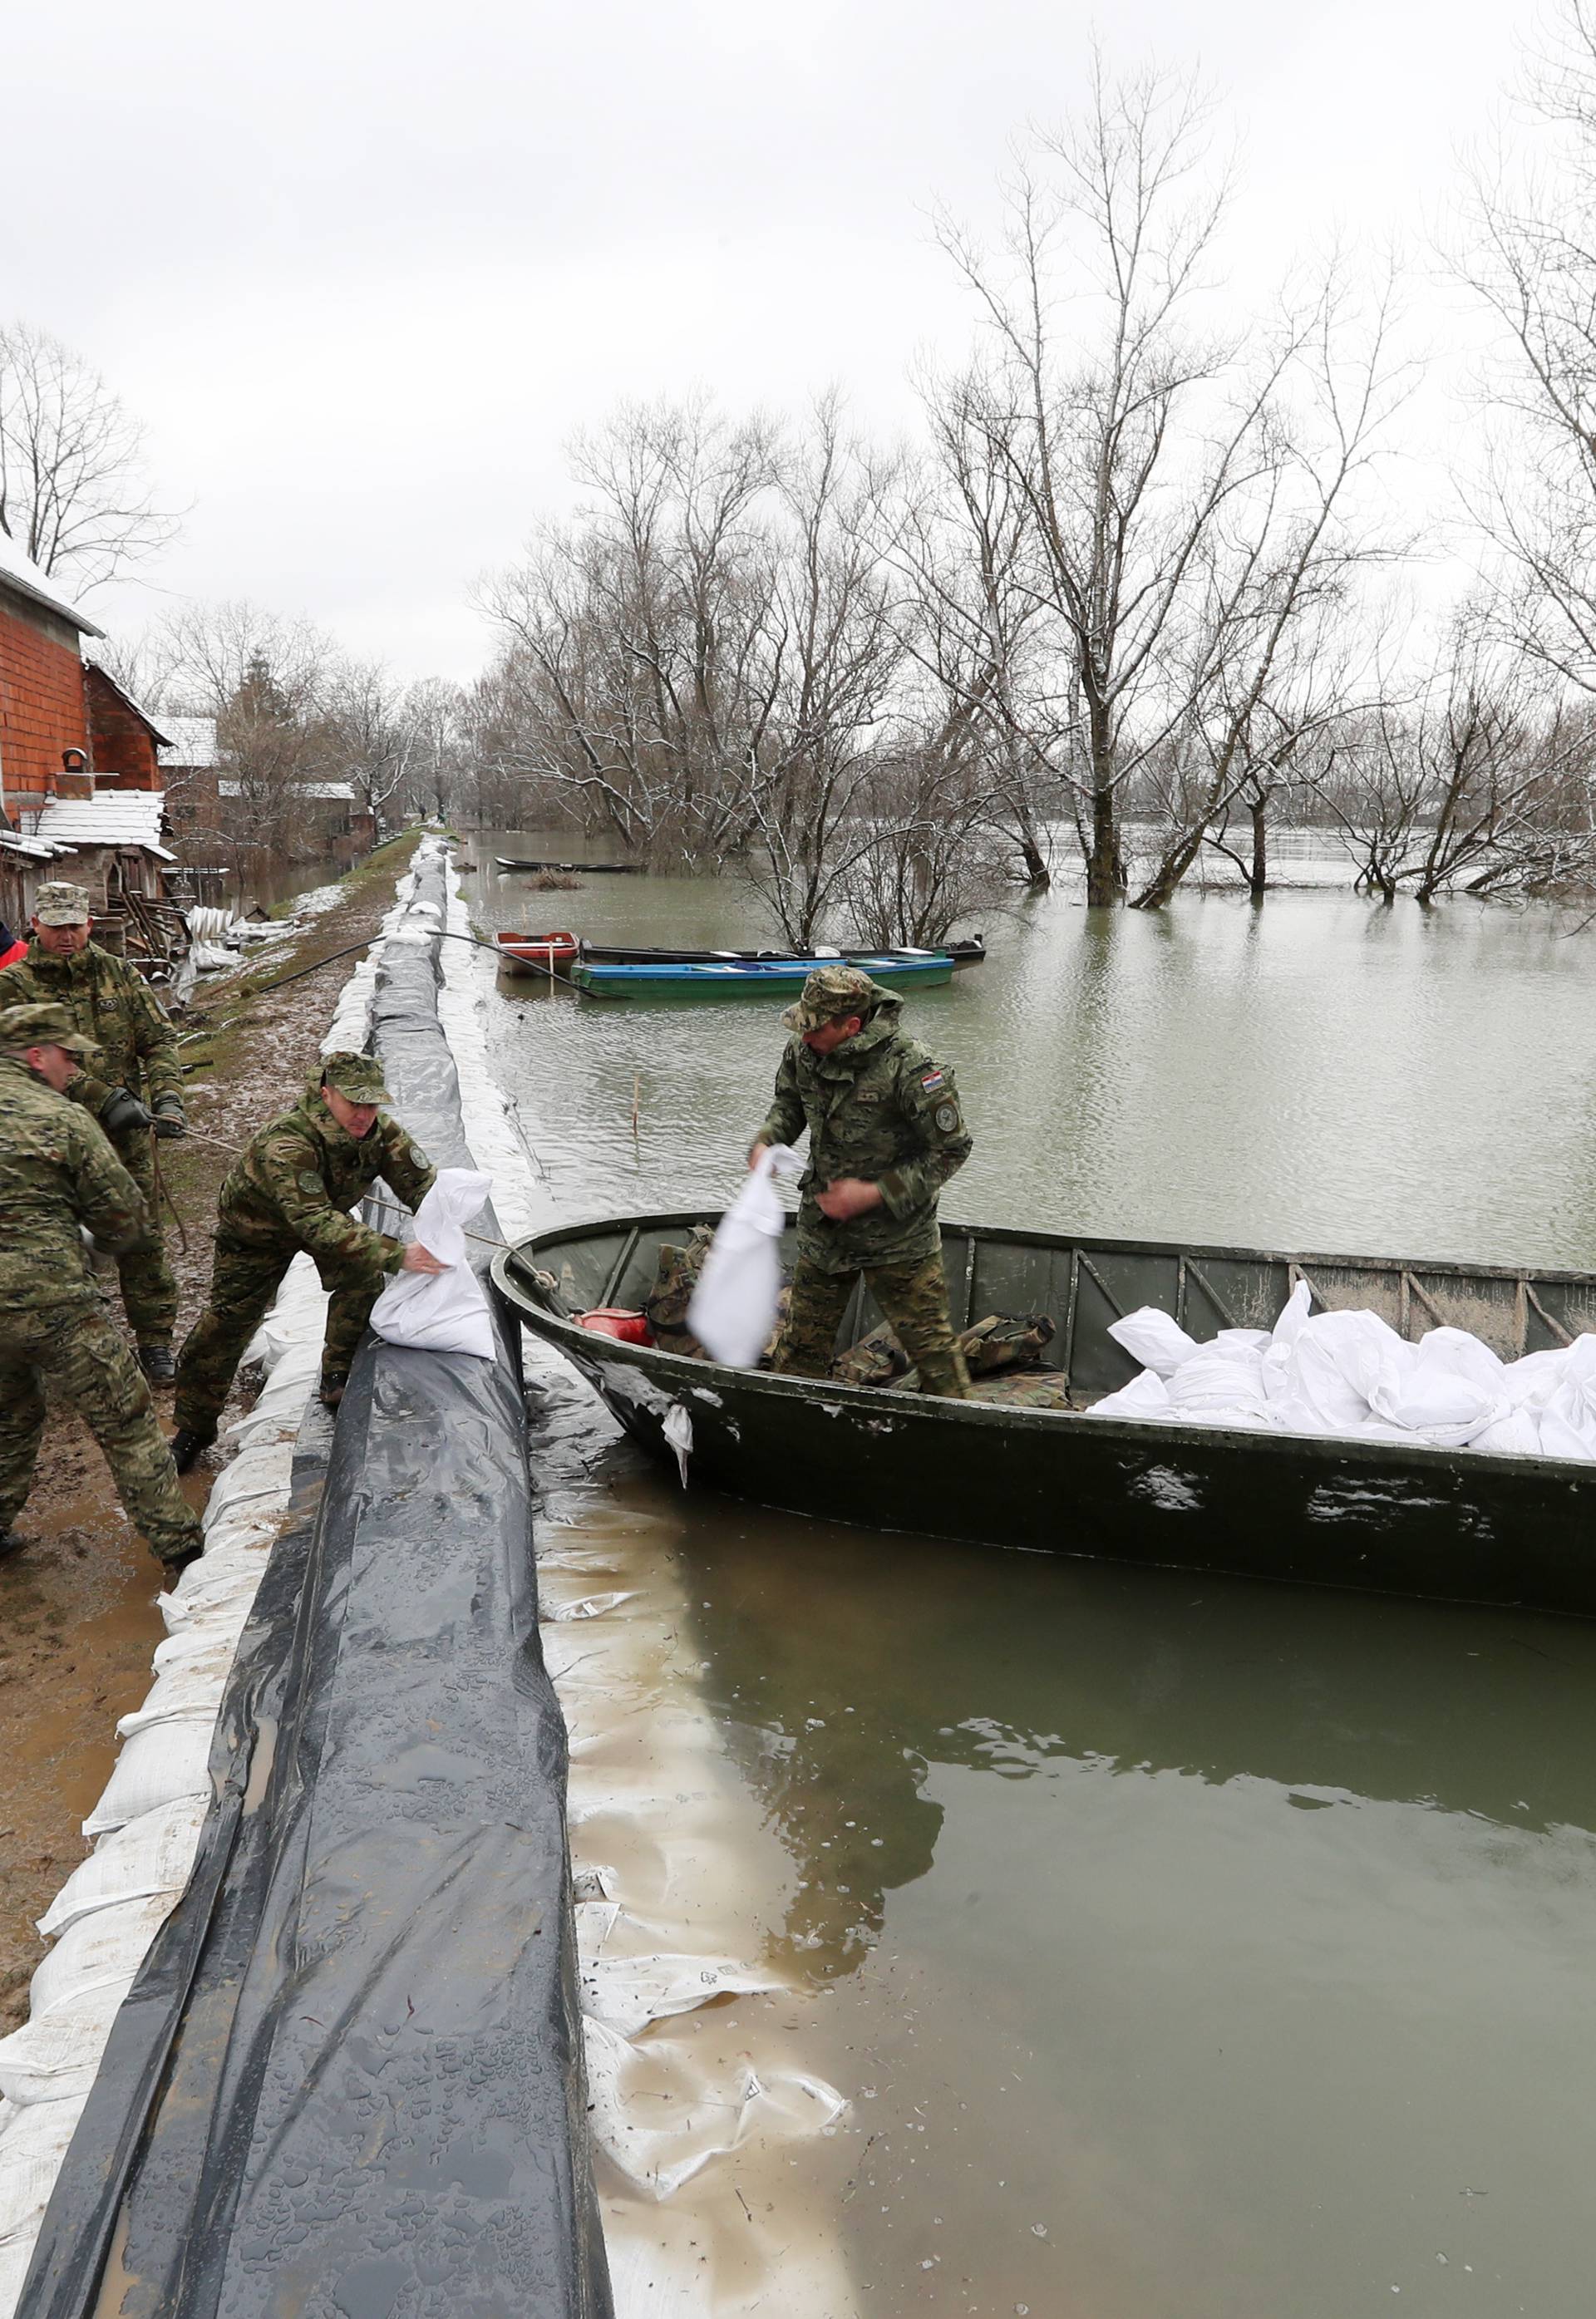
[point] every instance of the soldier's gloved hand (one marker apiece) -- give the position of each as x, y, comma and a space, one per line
123, 1112
171, 1119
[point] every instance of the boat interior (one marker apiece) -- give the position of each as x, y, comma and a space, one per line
1082, 1285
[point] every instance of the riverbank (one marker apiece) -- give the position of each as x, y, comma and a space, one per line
79, 1620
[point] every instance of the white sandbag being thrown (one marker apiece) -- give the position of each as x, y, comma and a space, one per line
1348, 1375
734, 1306
442, 1312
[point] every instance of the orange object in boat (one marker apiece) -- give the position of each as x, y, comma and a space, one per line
615, 1320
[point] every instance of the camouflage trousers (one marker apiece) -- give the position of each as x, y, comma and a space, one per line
913, 1298
243, 1281
149, 1291
77, 1351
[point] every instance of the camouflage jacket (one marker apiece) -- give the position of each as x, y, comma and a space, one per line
877, 1107
294, 1182
57, 1172
110, 1004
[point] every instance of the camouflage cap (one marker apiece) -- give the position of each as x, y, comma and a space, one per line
829, 992
60, 904
359, 1078
22, 1027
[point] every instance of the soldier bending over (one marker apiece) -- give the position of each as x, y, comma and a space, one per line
885, 1134
57, 1173
291, 1188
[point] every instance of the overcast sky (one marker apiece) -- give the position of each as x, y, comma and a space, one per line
363, 268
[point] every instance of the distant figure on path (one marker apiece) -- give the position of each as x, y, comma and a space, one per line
885, 1134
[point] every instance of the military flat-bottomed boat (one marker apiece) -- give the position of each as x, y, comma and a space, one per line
1452, 1525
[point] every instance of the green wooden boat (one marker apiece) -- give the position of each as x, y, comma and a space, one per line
1451, 1524
767, 978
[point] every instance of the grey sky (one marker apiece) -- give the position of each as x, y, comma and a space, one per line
363, 268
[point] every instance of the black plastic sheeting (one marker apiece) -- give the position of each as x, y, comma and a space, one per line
348, 2082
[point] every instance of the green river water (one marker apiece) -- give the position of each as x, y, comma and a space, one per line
1196, 1950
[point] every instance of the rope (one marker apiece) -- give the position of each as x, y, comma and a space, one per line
162, 1193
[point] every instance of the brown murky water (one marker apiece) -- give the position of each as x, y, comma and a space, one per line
1190, 1950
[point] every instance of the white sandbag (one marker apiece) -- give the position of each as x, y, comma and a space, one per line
1516, 1435
1450, 1388
154, 1767
151, 1856
1218, 1383
32, 2148
733, 1309
444, 1311
56, 2054
1146, 1395
102, 1951
1330, 1370
1153, 1338
1567, 1414
1534, 1378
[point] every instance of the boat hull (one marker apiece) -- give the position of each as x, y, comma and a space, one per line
962, 954
1375, 1517
743, 978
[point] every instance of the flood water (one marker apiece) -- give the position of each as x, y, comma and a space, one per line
1193, 1949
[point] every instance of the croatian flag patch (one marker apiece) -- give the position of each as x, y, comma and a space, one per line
932, 1081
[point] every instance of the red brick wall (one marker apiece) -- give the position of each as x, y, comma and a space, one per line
42, 707
124, 745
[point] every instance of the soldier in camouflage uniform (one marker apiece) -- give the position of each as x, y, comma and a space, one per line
57, 1173
885, 1134
132, 1083
291, 1188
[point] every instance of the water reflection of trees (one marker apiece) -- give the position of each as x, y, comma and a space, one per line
851, 1667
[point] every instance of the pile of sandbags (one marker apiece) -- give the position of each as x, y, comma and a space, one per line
1351, 1376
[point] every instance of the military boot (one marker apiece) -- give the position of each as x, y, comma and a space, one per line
157, 1365
175, 1564
10, 1543
188, 1446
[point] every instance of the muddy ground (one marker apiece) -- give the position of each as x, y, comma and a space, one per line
79, 1620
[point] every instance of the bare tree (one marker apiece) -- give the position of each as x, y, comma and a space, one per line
637, 660
1532, 258
74, 495
1481, 782
367, 734
955, 537
1177, 528
829, 664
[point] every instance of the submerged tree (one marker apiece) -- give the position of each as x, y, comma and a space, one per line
1186, 485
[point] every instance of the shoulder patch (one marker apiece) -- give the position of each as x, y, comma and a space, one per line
417, 1157
946, 1115
932, 1079
309, 1181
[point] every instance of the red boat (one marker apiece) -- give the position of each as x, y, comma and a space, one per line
537, 953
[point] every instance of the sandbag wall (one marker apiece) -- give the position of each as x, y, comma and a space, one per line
349, 2078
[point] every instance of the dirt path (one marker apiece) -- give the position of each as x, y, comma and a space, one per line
78, 1616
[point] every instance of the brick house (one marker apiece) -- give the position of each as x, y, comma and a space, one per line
73, 746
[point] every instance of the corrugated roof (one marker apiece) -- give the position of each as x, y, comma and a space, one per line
112, 818
18, 572
193, 741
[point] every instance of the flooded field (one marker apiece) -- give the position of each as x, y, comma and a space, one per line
1189, 1950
